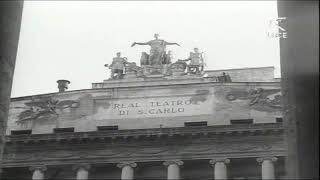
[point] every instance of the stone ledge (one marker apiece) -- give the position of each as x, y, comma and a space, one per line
168, 81
163, 84
115, 160
222, 130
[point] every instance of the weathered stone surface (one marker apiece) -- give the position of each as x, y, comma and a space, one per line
145, 149
146, 107
10, 20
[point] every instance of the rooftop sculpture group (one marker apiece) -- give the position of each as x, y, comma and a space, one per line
158, 55
157, 63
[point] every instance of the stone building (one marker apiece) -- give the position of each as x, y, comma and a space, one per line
182, 127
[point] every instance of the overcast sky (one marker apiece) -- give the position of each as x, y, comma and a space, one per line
74, 39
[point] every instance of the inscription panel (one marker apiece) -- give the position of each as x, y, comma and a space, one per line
154, 107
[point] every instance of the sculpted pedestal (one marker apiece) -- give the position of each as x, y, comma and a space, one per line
130, 75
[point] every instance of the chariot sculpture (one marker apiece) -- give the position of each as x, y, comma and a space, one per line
157, 63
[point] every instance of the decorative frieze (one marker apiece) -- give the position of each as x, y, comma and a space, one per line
260, 99
92, 147
43, 109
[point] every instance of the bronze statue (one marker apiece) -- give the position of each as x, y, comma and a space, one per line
157, 51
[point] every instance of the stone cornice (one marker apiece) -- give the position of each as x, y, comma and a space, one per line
254, 143
114, 160
154, 85
247, 68
221, 130
177, 82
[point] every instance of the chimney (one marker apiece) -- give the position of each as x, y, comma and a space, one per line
63, 85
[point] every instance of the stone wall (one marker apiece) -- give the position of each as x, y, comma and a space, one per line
262, 74
144, 107
10, 19
299, 55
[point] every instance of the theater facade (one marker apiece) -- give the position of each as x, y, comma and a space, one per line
154, 127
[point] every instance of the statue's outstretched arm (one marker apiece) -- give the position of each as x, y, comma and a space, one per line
135, 43
168, 43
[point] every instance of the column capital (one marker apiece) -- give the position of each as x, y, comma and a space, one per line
42, 168
216, 160
270, 158
177, 162
123, 164
83, 166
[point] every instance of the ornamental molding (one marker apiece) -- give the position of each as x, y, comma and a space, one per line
41, 168
267, 158
209, 131
130, 164
135, 152
217, 160
260, 99
175, 162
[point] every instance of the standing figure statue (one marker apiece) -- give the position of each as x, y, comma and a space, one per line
117, 66
144, 60
196, 62
157, 51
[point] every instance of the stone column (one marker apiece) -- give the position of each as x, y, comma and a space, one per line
82, 171
38, 172
220, 168
267, 167
127, 170
173, 168
10, 21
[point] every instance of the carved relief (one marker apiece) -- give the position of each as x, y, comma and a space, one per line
259, 99
44, 109
201, 95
